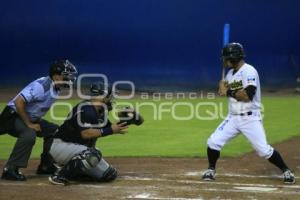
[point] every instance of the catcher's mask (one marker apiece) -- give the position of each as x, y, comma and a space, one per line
100, 89
64, 68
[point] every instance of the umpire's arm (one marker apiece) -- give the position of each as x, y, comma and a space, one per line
20, 107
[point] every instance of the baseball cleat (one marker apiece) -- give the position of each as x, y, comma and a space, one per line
209, 175
58, 180
288, 177
12, 174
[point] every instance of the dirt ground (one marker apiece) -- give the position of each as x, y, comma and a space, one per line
245, 177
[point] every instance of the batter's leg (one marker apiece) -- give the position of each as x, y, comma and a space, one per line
255, 133
222, 135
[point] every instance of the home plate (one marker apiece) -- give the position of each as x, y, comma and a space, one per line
257, 189
141, 196
149, 196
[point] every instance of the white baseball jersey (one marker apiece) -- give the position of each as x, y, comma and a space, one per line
244, 77
240, 119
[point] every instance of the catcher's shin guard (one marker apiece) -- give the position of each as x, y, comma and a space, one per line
110, 174
82, 162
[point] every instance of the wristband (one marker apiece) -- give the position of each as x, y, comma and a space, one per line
106, 131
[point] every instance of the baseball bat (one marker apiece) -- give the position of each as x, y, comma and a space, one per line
226, 33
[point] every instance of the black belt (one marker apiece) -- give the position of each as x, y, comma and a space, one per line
9, 111
247, 113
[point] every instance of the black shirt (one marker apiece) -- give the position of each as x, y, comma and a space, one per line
83, 116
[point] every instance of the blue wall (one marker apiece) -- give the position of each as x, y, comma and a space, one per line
155, 43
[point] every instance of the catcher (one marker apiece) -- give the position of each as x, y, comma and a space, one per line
73, 146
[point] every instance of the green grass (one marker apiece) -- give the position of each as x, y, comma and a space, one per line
173, 138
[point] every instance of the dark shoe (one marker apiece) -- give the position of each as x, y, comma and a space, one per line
58, 180
12, 174
288, 177
43, 169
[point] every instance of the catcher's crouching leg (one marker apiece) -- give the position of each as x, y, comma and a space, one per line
110, 174
80, 164
103, 172
97, 168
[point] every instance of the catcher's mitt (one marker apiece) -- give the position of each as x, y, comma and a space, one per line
130, 116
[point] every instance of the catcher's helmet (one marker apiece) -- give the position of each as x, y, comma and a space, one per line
64, 68
233, 51
97, 89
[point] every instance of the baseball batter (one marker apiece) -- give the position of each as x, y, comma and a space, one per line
242, 86
73, 147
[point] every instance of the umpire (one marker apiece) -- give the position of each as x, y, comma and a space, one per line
22, 118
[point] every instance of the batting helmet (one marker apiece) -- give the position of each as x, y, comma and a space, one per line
64, 68
233, 51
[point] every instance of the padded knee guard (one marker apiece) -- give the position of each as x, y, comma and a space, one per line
90, 158
82, 162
